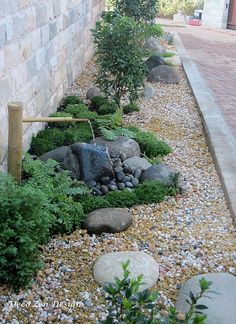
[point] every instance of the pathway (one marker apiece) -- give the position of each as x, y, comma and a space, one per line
214, 53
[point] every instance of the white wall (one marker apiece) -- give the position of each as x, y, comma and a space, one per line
215, 13
44, 45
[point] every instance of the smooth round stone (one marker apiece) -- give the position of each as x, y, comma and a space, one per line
91, 183
137, 162
105, 180
224, 285
126, 179
98, 186
97, 192
128, 189
117, 164
120, 185
118, 169
127, 169
137, 173
129, 185
104, 189
112, 187
109, 266
160, 172
108, 220
119, 175
112, 182
134, 182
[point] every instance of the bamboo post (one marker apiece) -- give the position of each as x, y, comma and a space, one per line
15, 135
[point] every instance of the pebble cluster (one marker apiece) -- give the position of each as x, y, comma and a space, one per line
187, 235
125, 178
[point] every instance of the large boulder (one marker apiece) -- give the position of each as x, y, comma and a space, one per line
164, 73
92, 92
159, 172
221, 305
137, 162
94, 161
154, 61
71, 163
121, 146
109, 266
108, 220
57, 154
153, 45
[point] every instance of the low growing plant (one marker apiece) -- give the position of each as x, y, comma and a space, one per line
24, 226
71, 100
126, 304
130, 108
81, 111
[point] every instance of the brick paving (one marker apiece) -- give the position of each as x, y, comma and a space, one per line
214, 53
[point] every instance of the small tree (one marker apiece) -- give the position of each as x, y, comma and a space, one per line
119, 42
145, 10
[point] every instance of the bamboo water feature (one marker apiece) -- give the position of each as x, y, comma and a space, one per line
15, 135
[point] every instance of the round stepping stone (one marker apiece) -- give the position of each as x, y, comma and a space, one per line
108, 220
221, 306
109, 266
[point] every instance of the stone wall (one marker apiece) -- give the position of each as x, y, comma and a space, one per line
215, 13
44, 45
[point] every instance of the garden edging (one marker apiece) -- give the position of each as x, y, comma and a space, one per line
220, 139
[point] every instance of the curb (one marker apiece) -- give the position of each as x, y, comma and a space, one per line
221, 142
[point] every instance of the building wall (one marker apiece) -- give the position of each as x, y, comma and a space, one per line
215, 13
44, 45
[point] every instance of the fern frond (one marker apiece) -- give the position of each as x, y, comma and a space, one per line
120, 131
108, 134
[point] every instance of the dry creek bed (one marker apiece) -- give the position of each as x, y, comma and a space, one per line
186, 235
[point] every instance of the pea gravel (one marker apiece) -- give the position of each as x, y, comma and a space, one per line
186, 235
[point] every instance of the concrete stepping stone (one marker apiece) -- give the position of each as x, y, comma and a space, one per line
108, 220
221, 306
109, 266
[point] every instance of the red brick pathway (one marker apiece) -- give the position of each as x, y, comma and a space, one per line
214, 53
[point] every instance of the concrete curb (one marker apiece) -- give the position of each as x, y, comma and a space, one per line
220, 139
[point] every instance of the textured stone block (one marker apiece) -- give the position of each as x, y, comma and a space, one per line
3, 35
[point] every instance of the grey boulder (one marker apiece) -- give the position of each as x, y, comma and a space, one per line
108, 220
159, 172
57, 154
137, 162
221, 306
94, 161
122, 144
153, 45
109, 266
92, 92
71, 163
154, 61
165, 74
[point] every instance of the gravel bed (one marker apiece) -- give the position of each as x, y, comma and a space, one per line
187, 235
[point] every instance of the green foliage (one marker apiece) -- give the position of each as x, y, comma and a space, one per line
144, 193
60, 124
108, 108
130, 108
168, 54
119, 57
112, 135
111, 121
167, 8
149, 144
97, 102
128, 305
24, 226
71, 100
59, 188
140, 10
81, 111
51, 138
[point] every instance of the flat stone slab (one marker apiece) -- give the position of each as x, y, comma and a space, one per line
109, 266
108, 220
136, 162
221, 306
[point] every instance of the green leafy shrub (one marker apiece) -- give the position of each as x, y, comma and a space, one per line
111, 121
126, 304
144, 193
81, 111
51, 138
149, 144
24, 225
108, 108
119, 57
145, 10
71, 100
97, 102
60, 124
60, 189
112, 135
130, 108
